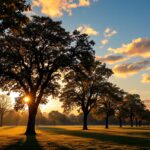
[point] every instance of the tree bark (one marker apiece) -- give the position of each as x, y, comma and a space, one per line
106, 121
30, 130
120, 122
85, 121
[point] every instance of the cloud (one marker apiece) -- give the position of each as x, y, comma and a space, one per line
30, 14
138, 47
145, 78
108, 33
87, 30
104, 41
129, 69
111, 59
56, 8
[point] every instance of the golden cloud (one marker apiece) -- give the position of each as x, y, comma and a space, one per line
87, 30
146, 78
111, 59
129, 69
138, 47
56, 8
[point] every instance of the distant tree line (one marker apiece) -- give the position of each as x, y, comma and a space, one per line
53, 118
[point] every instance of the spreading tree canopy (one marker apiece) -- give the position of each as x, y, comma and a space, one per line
107, 103
31, 62
84, 87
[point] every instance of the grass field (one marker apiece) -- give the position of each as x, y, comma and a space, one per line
72, 137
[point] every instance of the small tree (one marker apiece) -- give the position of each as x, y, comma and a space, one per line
31, 62
132, 105
5, 105
120, 113
108, 101
83, 87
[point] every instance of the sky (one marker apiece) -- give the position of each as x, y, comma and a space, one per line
121, 31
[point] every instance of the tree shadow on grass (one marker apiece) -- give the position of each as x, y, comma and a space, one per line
137, 128
31, 143
117, 139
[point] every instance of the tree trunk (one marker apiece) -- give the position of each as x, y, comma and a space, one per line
131, 120
140, 123
1, 124
31, 120
136, 122
85, 121
120, 122
106, 121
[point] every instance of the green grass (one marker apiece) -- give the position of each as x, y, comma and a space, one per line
73, 138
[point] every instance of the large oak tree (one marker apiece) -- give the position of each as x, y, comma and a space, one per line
31, 62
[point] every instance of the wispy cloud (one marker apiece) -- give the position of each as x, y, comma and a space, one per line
138, 47
87, 30
111, 59
129, 69
145, 78
108, 33
56, 8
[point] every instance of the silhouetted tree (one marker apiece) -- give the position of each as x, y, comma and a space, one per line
107, 103
11, 14
140, 108
31, 62
5, 105
83, 88
121, 113
144, 117
132, 104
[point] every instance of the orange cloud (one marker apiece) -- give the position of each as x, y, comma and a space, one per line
129, 69
138, 47
87, 30
111, 59
56, 8
146, 78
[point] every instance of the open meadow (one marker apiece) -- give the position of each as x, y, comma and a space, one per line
72, 137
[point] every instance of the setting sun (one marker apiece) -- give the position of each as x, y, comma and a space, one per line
26, 99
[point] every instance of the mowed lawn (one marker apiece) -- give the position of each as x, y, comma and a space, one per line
72, 137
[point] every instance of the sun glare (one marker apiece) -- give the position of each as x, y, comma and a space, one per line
26, 99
